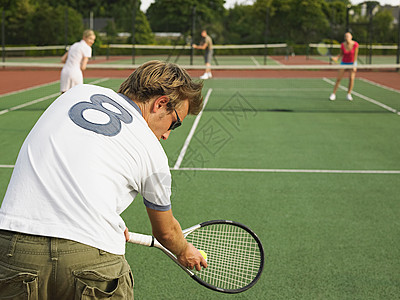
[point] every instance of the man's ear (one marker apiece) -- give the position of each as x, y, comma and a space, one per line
160, 102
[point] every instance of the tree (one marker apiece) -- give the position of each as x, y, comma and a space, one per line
176, 16
143, 33
279, 19
46, 26
17, 13
381, 22
292, 21
336, 13
308, 21
240, 25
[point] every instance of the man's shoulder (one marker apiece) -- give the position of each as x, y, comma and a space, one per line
91, 88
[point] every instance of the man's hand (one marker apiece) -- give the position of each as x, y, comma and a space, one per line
167, 230
126, 233
192, 258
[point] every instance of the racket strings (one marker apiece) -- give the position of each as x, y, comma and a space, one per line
233, 265
233, 255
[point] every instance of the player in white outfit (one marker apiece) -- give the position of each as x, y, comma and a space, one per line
91, 152
75, 60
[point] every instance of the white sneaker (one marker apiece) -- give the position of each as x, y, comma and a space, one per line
332, 97
349, 97
204, 76
209, 75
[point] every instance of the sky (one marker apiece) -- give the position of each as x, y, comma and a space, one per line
231, 3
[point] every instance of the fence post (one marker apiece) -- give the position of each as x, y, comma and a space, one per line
3, 38
266, 37
398, 40
66, 28
133, 31
193, 30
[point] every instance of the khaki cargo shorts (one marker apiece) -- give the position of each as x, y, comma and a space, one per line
37, 267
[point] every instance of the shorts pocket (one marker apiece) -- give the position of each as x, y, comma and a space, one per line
20, 286
104, 281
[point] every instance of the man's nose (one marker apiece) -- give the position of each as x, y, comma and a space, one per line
166, 135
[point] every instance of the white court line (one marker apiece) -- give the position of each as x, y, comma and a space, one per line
380, 85
99, 80
276, 61
391, 109
28, 89
254, 60
191, 133
6, 166
276, 170
2, 112
292, 171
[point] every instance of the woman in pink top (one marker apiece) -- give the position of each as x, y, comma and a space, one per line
349, 53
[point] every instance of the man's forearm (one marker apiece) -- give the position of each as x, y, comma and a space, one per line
167, 230
173, 240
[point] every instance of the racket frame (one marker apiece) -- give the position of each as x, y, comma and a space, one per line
151, 241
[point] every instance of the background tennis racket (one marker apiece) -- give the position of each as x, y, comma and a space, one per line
323, 50
235, 255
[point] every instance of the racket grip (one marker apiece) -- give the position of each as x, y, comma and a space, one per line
141, 239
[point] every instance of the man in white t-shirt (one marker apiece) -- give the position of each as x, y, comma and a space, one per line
90, 153
75, 60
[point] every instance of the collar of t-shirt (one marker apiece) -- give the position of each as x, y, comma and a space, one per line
131, 103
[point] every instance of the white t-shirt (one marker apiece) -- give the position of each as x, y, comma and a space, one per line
81, 166
71, 73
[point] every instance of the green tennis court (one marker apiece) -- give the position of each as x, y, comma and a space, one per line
223, 60
317, 180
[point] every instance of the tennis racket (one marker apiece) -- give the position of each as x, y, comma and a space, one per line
323, 50
235, 255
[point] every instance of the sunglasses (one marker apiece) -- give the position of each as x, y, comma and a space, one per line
176, 123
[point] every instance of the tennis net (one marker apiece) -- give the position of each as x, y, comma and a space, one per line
123, 54
289, 87
250, 56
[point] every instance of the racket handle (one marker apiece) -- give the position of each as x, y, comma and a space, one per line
141, 239
150, 241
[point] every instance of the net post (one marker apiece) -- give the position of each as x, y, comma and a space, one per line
3, 38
